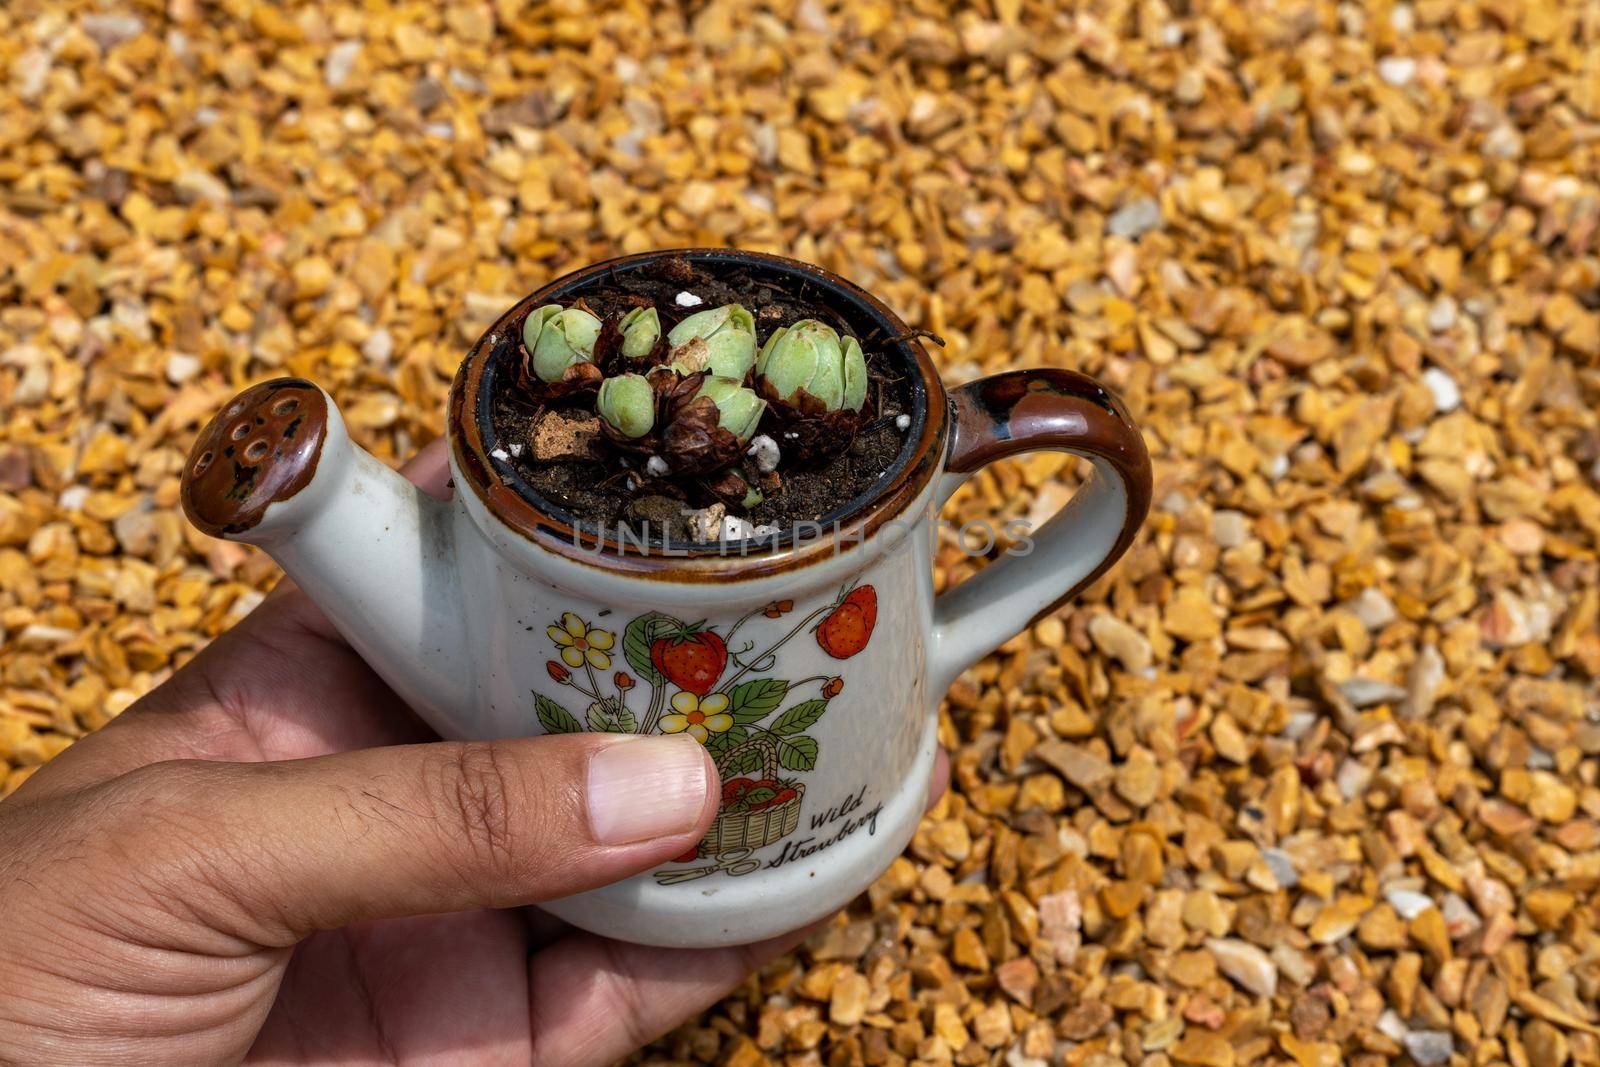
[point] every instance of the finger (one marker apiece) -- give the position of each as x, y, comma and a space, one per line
429, 469
273, 851
593, 1000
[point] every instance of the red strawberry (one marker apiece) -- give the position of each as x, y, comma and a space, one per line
691, 659
848, 627
735, 788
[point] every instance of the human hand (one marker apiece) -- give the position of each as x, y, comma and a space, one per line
269, 858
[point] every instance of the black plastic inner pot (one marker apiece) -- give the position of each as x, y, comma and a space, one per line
856, 316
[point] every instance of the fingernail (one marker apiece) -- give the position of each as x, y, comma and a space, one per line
646, 787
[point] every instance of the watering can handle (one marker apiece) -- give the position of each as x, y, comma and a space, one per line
1028, 411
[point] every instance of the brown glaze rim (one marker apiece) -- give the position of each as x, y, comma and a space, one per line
494, 483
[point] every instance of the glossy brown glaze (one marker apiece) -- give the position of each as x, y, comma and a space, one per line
1047, 408
708, 564
260, 449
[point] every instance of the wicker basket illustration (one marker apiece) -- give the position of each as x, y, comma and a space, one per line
753, 829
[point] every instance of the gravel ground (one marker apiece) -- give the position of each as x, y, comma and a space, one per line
1310, 778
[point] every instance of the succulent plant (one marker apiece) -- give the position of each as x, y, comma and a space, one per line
557, 338
738, 409
720, 340
809, 366
627, 404
641, 329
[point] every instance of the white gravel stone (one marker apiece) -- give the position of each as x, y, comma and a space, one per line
112, 29
1229, 529
1397, 70
1390, 1025
902, 423
181, 366
1135, 218
1502, 142
1429, 1048
1373, 609
1246, 964
1301, 721
687, 299
1446, 394
764, 450
378, 347
656, 467
1459, 918
1422, 683
1408, 902
1442, 314
1121, 641
1294, 964
30, 73
1281, 866
1352, 779
340, 61
1366, 692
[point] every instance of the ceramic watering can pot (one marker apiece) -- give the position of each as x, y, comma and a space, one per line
818, 661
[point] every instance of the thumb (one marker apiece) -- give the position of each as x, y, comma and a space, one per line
278, 850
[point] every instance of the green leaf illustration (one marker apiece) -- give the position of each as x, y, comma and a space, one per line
746, 762
636, 641
798, 753
727, 739
553, 717
757, 796
754, 700
611, 717
799, 717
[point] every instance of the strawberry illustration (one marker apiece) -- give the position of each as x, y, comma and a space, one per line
848, 627
692, 659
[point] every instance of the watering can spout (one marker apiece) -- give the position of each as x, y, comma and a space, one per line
276, 468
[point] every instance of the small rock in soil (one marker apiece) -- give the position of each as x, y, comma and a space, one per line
562, 437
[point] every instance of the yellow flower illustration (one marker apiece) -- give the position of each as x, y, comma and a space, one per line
578, 643
701, 716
